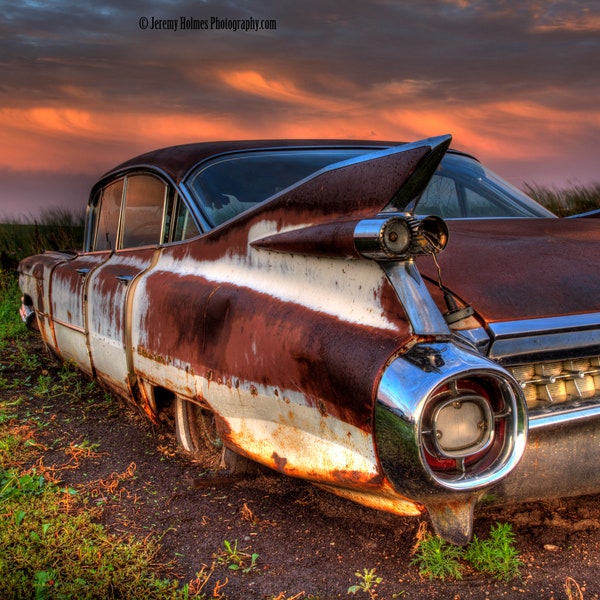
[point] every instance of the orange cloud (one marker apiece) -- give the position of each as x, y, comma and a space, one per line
497, 130
282, 90
84, 140
582, 20
75, 140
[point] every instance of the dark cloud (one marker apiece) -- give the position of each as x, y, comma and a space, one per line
481, 49
488, 70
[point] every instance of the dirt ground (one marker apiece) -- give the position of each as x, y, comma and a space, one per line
309, 543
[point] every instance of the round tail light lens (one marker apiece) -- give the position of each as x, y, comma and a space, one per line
462, 426
465, 426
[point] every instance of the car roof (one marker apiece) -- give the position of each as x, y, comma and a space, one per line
176, 161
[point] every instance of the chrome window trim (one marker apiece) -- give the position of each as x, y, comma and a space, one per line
477, 338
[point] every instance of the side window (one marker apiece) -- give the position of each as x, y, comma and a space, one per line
184, 226
480, 206
108, 217
149, 211
144, 209
440, 198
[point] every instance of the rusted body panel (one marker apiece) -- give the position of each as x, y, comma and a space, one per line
36, 284
69, 307
522, 268
270, 355
109, 322
272, 339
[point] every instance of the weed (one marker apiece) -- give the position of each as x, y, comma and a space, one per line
235, 559
11, 326
85, 448
568, 201
56, 229
69, 382
24, 358
43, 581
44, 385
5, 384
5, 414
194, 588
367, 582
16, 439
13, 484
494, 556
497, 555
437, 559
52, 545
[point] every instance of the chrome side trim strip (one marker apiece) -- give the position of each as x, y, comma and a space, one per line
69, 326
561, 336
528, 327
563, 417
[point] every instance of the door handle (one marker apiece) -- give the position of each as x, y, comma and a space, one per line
83, 272
124, 278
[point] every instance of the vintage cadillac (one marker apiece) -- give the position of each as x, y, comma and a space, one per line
295, 295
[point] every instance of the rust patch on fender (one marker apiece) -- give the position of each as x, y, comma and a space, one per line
279, 461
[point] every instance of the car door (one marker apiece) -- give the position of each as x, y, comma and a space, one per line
111, 285
69, 279
68, 300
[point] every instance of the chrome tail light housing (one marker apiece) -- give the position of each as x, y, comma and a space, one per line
448, 420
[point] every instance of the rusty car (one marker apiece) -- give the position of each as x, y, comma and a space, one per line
390, 321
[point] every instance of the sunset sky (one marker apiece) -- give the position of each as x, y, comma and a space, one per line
85, 87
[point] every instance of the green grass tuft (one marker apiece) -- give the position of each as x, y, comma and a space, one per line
495, 556
11, 326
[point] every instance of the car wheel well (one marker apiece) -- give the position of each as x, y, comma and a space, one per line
163, 399
197, 434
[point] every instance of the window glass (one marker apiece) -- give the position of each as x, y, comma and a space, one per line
184, 226
108, 218
463, 188
91, 221
440, 198
480, 206
168, 221
233, 184
144, 209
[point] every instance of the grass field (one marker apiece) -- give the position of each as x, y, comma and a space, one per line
566, 201
54, 230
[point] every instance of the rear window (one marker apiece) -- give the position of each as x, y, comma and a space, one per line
233, 184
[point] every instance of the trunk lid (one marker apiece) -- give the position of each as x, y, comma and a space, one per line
510, 269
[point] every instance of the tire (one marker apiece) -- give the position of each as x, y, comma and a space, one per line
195, 427
196, 433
